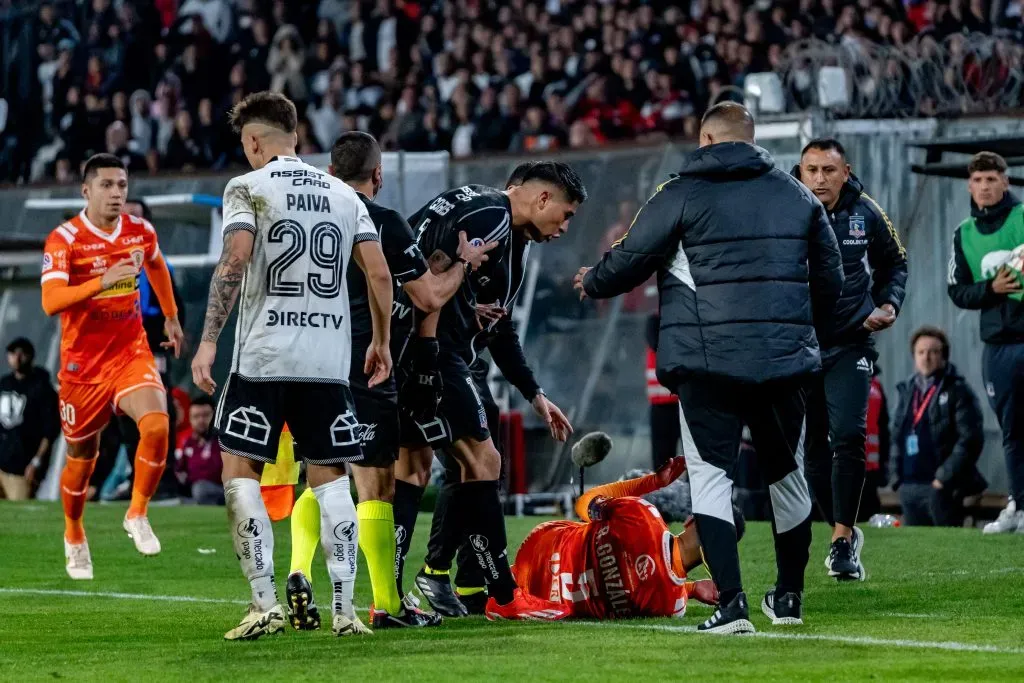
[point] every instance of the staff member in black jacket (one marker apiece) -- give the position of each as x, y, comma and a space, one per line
938, 437
746, 263
28, 422
875, 266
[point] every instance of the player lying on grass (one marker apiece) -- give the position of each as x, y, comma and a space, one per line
621, 561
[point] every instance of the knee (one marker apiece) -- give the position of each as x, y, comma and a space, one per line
154, 428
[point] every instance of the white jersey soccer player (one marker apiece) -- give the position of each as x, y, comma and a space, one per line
289, 232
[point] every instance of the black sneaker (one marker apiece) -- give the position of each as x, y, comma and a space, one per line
857, 546
407, 618
474, 602
302, 611
437, 589
784, 610
733, 618
842, 562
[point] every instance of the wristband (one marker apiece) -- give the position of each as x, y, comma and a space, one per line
467, 267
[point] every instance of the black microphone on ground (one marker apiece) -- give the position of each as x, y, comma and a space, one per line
590, 450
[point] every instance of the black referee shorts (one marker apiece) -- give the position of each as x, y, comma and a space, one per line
377, 411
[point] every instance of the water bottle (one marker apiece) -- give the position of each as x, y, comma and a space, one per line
883, 521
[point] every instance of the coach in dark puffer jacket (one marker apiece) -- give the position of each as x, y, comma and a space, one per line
747, 267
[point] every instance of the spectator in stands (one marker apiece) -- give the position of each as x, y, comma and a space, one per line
28, 422
938, 436
285, 62
117, 144
183, 151
198, 465
985, 274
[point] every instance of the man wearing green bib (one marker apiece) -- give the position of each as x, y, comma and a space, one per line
985, 274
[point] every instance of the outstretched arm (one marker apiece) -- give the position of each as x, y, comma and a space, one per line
640, 486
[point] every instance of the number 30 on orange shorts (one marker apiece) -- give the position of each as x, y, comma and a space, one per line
85, 409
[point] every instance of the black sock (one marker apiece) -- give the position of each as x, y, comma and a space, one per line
445, 531
406, 507
721, 556
792, 552
469, 574
479, 508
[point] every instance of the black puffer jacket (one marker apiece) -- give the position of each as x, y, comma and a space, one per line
874, 264
747, 264
955, 420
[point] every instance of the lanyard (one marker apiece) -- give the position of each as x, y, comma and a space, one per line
922, 404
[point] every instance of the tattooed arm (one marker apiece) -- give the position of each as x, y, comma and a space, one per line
224, 286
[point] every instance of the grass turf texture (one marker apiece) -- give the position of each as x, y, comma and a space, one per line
937, 586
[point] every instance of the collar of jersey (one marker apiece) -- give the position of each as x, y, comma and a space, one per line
283, 158
666, 553
103, 235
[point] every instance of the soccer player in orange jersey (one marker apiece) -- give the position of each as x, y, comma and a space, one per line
621, 561
90, 268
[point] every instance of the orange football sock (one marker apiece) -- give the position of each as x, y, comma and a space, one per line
150, 458
74, 484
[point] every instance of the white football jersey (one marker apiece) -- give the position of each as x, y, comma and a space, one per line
293, 312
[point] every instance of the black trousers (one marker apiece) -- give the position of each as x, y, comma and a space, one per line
664, 432
713, 412
1003, 372
924, 505
447, 542
837, 410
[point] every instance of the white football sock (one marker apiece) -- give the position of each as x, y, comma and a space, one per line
339, 536
253, 538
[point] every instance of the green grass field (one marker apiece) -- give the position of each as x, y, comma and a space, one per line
938, 605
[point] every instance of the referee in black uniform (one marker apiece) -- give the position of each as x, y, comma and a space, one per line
746, 263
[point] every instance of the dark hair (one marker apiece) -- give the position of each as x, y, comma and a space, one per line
824, 145
268, 108
354, 156
24, 344
739, 522
934, 333
203, 400
519, 172
560, 175
147, 213
987, 161
98, 161
733, 116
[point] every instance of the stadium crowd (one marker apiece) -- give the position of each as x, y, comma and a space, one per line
151, 82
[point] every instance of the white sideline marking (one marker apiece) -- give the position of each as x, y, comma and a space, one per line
120, 596
903, 615
848, 640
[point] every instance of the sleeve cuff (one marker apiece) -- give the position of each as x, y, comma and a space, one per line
365, 237
56, 275
239, 225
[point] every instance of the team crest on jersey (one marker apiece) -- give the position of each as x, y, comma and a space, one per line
644, 567
138, 257
857, 230
476, 242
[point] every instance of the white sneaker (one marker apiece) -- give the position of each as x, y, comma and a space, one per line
346, 626
1010, 519
79, 561
139, 530
257, 623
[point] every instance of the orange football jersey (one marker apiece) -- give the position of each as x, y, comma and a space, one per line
103, 334
616, 567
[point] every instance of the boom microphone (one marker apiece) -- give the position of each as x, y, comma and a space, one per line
590, 450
